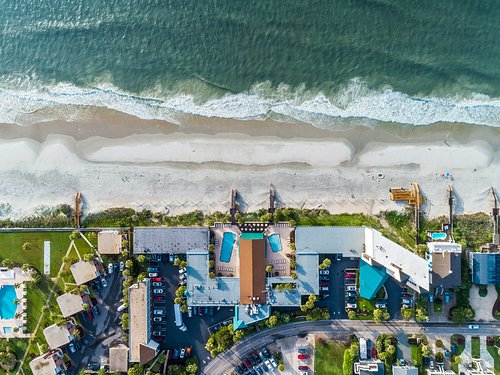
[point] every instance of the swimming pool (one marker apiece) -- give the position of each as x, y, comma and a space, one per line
438, 236
7, 305
7, 330
227, 246
275, 242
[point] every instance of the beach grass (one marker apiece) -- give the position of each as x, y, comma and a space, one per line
328, 357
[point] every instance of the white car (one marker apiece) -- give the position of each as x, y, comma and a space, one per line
324, 288
190, 311
157, 291
110, 268
157, 284
122, 266
473, 326
273, 362
351, 306
182, 277
350, 288
324, 272
182, 270
153, 274
158, 312
171, 257
157, 319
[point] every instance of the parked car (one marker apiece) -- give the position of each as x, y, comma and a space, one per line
157, 291
190, 311
324, 272
406, 295
303, 351
431, 297
350, 281
157, 279
247, 363
324, 283
350, 294
240, 370
350, 275
95, 310
176, 353
447, 297
406, 301
152, 269
323, 288
110, 268
350, 288
103, 282
171, 257
158, 312
157, 283
94, 366
188, 351
431, 364
159, 333
349, 305
339, 257
473, 326
122, 266
303, 368
182, 283
72, 347
266, 353
182, 277
374, 352
157, 319
273, 362
324, 278
159, 298
303, 356
153, 274
182, 270
380, 304
183, 353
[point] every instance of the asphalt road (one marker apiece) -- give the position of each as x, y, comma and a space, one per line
225, 362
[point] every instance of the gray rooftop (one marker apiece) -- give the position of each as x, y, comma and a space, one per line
202, 291
162, 240
307, 273
404, 370
446, 269
347, 241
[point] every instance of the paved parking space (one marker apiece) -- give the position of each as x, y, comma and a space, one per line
335, 299
197, 327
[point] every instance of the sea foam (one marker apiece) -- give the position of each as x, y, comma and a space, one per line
354, 100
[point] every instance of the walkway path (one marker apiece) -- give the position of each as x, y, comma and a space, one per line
225, 362
41, 315
483, 306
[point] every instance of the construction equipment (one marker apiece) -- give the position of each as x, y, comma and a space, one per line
411, 195
414, 198
496, 233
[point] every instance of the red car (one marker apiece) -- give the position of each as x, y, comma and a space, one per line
303, 368
374, 353
350, 275
156, 279
303, 356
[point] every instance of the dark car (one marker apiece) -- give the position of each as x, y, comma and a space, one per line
266, 353
247, 363
324, 278
93, 366
239, 370
303, 368
176, 354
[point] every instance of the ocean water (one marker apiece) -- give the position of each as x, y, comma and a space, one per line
411, 62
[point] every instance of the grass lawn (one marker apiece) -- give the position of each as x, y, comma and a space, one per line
11, 248
460, 347
328, 357
475, 347
416, 355
367, 306
494, 353
438, 305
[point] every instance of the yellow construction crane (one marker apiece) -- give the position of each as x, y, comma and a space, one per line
414, 198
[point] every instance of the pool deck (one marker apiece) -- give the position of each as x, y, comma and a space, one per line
279, 260
232, 267
13, 277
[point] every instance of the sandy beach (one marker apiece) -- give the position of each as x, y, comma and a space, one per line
118, 160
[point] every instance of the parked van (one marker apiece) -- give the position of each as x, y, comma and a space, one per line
122, 308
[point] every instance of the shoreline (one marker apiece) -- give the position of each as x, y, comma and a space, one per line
115, 159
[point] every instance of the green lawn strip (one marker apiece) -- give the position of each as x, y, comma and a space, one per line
365, 309
328, 357
460, 347
11, 248
475, 347
494, 353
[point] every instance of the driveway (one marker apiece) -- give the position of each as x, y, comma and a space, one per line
483, 306
335, 299
104, 329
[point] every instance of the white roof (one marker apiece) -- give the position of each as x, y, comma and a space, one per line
109, 242
83, 272
57, 336
397, 260
43, 365
163, 240
441, 247
70, 304
347, 241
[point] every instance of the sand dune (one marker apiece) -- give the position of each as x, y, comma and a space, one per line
161, 167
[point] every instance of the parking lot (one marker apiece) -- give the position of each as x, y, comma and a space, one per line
336, 294
101, 324
197, 326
